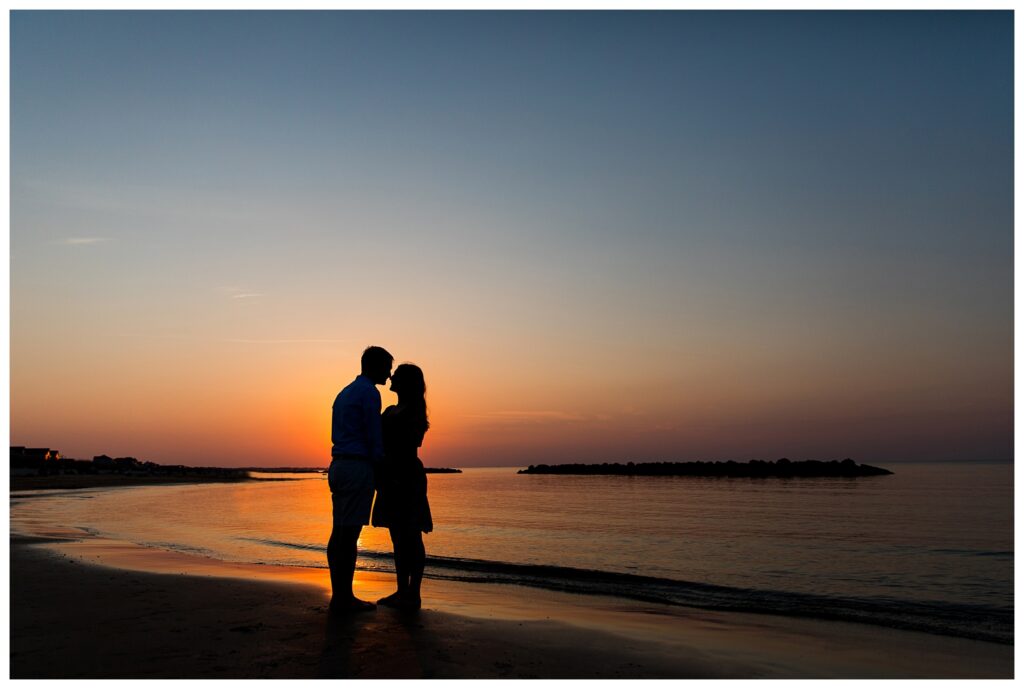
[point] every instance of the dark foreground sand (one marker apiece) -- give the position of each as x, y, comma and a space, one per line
74, 619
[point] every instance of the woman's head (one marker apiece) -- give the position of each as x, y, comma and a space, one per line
407, 382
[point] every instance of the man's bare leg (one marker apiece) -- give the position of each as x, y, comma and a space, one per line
341, 558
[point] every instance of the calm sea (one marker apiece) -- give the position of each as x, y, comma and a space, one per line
929, 548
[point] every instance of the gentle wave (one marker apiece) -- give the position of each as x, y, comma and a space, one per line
980, 622
996, 554
182, 548
317, 547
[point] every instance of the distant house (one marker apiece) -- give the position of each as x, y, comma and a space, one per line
32, 461
103, 464
23, 464
53, 461
126, 465
67, 465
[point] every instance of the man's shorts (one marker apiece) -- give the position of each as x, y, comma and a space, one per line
351, 482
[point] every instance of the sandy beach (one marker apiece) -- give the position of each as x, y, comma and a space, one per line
92, 608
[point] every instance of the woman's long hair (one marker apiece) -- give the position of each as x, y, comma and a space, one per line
412, 391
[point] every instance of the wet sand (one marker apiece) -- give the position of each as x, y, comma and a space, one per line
91, 608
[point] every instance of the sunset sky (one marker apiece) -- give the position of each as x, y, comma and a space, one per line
603, 236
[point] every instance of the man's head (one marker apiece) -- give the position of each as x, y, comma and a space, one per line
376, 364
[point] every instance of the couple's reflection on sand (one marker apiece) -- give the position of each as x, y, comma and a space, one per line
353, 645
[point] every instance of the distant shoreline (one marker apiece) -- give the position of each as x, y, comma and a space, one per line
79, 481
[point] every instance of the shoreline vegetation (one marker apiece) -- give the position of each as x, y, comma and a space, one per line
783, 468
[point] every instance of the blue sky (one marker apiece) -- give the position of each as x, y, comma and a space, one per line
715, 229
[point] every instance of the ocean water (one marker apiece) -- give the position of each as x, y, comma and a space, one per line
929, 548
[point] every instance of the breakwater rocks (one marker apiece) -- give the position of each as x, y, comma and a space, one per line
782, 468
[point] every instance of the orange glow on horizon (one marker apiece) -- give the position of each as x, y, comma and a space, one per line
234, 404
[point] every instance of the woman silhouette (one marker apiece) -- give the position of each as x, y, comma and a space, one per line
401, 503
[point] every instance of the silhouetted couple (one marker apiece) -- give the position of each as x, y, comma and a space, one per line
374, 451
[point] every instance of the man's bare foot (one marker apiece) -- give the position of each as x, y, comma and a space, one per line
411, 602
352, 604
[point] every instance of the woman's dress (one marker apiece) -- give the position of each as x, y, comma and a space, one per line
401, 501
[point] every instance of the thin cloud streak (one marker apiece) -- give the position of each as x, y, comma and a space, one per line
310, 340
80, 241
304, 341
155, 337
538, 416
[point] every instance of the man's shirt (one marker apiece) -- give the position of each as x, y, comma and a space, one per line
355, 421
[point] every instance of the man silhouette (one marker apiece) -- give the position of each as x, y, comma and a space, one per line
356, 438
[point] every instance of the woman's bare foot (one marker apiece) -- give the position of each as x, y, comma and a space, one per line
392, 601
